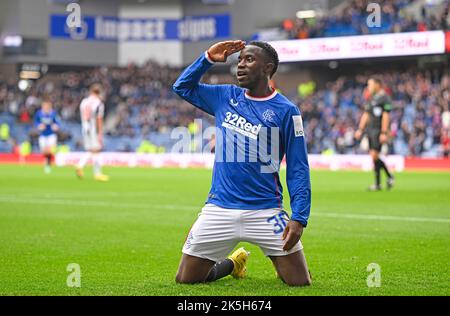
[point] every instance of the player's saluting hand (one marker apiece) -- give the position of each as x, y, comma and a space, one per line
219, 52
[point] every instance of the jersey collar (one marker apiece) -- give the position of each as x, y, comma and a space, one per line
268, 97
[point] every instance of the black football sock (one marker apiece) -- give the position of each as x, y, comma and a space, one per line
384, 167
377, 169
48, 160
220, 270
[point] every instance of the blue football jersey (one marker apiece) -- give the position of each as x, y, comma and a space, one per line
253, 135
48, 119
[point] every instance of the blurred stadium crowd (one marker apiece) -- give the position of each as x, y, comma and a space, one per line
419, 120
141, 107
351, 20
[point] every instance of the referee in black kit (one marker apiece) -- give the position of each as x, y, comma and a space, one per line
376, 119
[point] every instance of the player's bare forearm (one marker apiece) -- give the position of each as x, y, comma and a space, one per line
100, 125
292, 234
364, 120
384, 128
220, 51
385, 122
362, 125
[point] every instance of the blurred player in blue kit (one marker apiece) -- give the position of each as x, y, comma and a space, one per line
47, 124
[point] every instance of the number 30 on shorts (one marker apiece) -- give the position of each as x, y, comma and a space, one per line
279, 222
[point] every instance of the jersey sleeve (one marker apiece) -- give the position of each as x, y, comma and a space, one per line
100, 110
387, 104
55, 119
37, 118
204, 96
297, 172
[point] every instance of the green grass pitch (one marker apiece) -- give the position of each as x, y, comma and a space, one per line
127, 234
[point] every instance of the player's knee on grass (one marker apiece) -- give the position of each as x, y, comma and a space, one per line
292, 269
180, 279
184, 278
193, 270
297, 280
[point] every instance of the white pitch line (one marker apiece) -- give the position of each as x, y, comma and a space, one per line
197, 207
383, 217
85, 194
94, 203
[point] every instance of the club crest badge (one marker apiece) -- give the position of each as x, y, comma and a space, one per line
268, 115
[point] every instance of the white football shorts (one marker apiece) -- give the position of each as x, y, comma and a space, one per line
218, 230
49, 141
90, 141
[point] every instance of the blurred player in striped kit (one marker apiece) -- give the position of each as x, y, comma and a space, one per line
92, 110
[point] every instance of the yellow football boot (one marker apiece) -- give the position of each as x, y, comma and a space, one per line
79, 172
239, 258
101, 177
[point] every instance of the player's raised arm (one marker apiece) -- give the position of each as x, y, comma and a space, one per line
219, 52
297, 176
188, 86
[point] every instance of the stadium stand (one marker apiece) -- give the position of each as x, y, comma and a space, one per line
350, 19
420, 99
142, 108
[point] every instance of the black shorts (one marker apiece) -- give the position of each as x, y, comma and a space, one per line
374, 140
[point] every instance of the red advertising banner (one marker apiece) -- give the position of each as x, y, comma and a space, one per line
363, 46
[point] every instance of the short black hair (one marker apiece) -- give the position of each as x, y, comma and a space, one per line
270, 53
